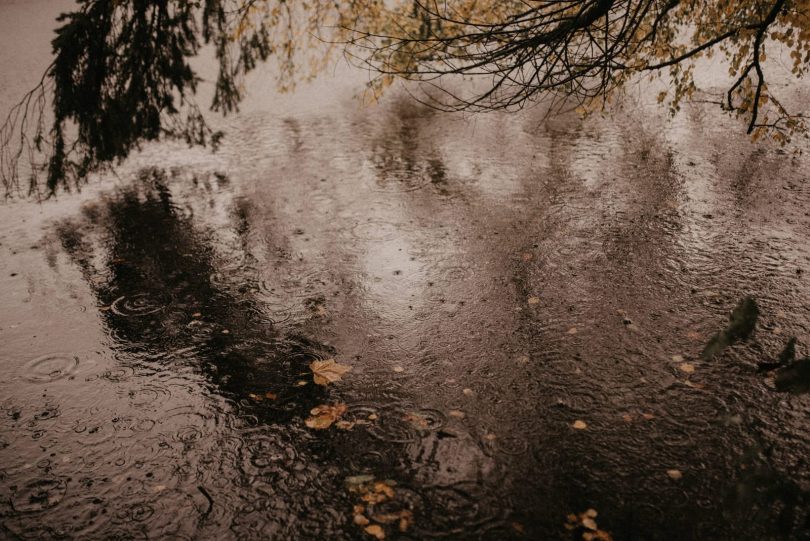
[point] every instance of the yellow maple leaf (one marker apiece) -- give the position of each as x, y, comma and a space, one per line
328, 371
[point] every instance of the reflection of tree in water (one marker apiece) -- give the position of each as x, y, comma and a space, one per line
162, 290
170, 300
168, 304
401, 157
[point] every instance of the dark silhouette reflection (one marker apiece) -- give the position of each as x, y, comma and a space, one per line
170, 301
163, 289
174, 298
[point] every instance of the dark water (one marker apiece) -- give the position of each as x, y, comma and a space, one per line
491, 282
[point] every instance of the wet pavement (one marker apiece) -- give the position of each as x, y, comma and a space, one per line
523, 305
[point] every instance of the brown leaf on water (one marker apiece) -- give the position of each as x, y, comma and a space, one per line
328, 371
572, 330
324, 415
270, 396
586, 523
417, 420
378, 493
361, 520
405, 520
255, 397
674, 474
589, 523
689, 368
579, 425
375, 531
534, 300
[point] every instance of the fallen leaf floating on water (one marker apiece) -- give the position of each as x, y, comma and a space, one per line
378, 493
323, 416
674, 474
328, 371
403, 519
373, 493
255, 397
534, 300
572, 330
597, 535
370, 491
375, 530
586, 523
689, 368
631, 417
270, 396
589, 523
417, 420
579, 425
